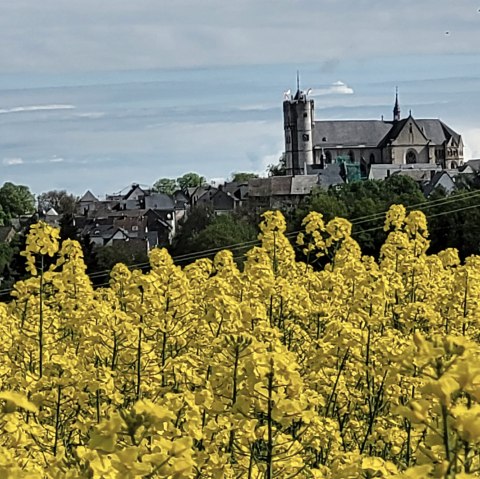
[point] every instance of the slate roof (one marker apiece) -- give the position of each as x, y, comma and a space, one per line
437, 177
159, 201
437, 131
330, 176
349, 132
106, 232
383, 170
88, 197
282, 185
373, 133
302, 185
473, 164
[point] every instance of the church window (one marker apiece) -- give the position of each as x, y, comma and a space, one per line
328, 157
372, 158
305, 137
411, 157
305, 115
351, 155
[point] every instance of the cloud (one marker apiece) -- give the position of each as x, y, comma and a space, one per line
12, 161
109, 35
94, 115
19, 109
471, 138
336, 88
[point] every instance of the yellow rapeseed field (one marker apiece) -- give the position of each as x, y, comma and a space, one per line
361, 369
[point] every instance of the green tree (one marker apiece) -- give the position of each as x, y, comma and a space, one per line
190, 227
243, 177
61, 201
190, 180
121, 252
15, 200
165, 185
224, 231
363, 203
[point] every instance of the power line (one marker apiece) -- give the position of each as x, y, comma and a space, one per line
373, 217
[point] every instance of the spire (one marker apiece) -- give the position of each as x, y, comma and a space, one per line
396, 108
299, 95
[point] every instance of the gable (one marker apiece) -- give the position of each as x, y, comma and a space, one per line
410, 134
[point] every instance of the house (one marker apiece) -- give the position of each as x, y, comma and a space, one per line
219, 200
105, 235
441, 179
280, 191
139, 215
418, 172
87, 203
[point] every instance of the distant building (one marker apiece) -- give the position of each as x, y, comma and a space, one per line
310, 143
139, 216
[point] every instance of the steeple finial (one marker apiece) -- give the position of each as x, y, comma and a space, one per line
396, 108
298, 80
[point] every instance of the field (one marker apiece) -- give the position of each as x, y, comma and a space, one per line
287, 369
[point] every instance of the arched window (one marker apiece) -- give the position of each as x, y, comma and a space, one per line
351, 154
411, 157
372, 158
328, 157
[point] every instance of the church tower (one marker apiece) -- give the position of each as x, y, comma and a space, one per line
396, 108
298, 126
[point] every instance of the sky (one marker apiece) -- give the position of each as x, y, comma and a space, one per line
98, 95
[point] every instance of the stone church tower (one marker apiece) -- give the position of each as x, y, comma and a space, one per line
298, 122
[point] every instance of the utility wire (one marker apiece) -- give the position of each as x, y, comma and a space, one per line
373, 217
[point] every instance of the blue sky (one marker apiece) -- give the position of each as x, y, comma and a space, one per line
97, 95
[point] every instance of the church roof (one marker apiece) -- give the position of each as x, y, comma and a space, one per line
436, 131
373, 133
333, 133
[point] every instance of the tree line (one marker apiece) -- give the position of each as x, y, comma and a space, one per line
453, 219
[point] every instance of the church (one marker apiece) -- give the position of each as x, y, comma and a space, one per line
311, 145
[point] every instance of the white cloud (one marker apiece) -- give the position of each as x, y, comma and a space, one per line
112, 34
94, 115
471, 138
12, 161
336, 88
19, 109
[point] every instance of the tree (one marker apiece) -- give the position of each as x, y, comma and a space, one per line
190, 180
61, 201
122, 252
165, 185
243, 177
16, 200
224, 231
197, 220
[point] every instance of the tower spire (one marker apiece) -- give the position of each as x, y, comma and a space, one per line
298, 80
396, 108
